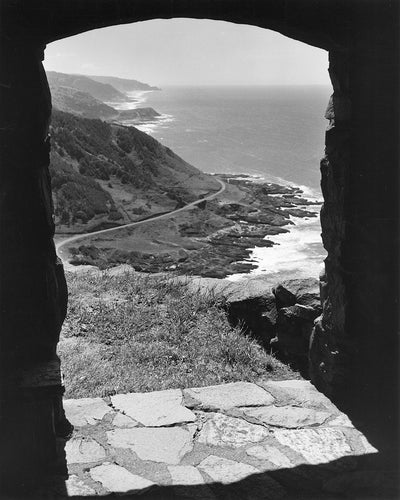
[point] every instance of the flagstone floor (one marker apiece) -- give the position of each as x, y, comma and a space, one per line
233, 441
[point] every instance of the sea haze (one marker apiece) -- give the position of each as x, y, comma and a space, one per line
275, 132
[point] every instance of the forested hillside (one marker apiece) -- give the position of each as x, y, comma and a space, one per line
106, 174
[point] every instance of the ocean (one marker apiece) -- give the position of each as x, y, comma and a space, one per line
274, 133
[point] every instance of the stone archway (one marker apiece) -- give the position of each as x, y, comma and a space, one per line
354, 346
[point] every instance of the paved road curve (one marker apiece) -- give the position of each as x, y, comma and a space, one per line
77, 237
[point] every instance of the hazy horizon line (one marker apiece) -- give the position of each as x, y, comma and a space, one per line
186, 84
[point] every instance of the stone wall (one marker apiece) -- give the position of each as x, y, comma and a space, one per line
330, 348
354, 347
33, 291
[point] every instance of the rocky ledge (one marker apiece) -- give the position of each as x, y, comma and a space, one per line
280, 316
214, 239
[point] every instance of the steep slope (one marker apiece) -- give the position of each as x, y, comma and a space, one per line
106, 174
85, 105
80, 103
123, 84
102, 91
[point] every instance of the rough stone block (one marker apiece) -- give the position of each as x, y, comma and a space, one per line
298, 291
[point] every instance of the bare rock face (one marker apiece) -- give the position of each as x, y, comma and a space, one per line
257, 315
281, 316
298, 305
251, 304
298, 291
294, 327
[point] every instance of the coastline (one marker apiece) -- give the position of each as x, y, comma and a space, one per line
216, 238
136, 99
295, 254
296, 250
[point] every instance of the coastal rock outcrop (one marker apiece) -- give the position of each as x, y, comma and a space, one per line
298, 304
279, 316
138, 114
305, 292
251, 305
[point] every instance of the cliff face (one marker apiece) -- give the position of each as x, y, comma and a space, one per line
80, 103
86, 97
103, 173
123, 84
101, 91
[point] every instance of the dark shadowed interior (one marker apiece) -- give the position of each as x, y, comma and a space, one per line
354, 345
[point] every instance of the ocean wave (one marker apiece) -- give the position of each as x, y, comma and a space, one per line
309, 193
150, 127
135, 99
298, 253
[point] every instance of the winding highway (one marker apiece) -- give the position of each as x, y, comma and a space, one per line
62, 243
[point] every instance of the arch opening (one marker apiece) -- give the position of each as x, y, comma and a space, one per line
359, 218
250, 127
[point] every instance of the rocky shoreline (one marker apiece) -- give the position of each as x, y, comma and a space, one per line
213, 240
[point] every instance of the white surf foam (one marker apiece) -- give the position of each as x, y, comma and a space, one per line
150, 126
298, 253
134, 100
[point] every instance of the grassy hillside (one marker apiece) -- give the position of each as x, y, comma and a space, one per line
134, 333
104, 173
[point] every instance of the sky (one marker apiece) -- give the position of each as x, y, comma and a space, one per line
190, 52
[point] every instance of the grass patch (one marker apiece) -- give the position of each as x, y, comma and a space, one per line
139, 333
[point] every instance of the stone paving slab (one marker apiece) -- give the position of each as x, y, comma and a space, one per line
154, 409
316, 446
123, 421
168, 445
223, 397
289, 417
83, 451
233, 441
222, 430
76, 487
271, 454
85, 411
116, 479
298, 393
